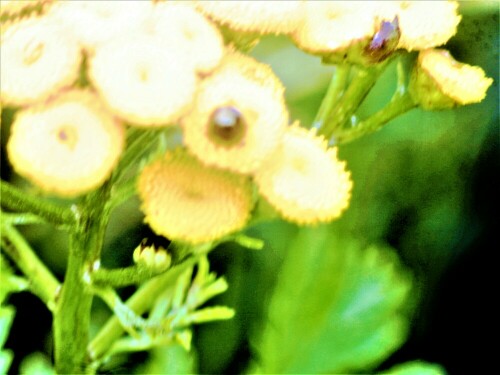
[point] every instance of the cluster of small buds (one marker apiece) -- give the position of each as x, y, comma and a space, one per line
81, 72
152, 257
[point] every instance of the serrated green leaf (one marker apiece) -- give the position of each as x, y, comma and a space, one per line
36, 364
336, 306
415, 368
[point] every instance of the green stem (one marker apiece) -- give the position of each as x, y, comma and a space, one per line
335, 90
140, 302
21, 219
138, 143
129, 320
72, 317
122, 193
123, 276
42, 282
17, 200
397, 106
346, 106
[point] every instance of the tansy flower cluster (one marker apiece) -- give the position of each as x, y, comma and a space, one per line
80, 73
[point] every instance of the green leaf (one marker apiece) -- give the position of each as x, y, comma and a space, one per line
36, 364
336, 307
415, 368
5, 360
170, 359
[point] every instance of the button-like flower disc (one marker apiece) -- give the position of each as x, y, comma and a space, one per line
68, 146
37, 60
330, 26
239, 116
188, 32
426, 24
143, 81
304, 180
95, 22
265, 17
187, 201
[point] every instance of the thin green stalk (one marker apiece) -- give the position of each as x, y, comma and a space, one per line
17, 200
346, 106
123, 276
397, 106
98, 213
335, 90
72, 316
21, 219
129, 320
140, 302
139, 141
42, 282
122, 193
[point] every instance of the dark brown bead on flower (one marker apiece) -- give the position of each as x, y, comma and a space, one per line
226, 127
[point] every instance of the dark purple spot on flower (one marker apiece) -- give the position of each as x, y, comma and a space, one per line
62, 135
388, 31
384, 42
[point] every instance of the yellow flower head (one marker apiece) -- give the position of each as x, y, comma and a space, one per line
188, 32
304, 180
94, 23
439, 81
330, 26
238, 117
67, 146
426, 24
186, 201
143, 81
37, 60
264, 17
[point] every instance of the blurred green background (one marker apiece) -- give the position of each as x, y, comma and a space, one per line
425, 185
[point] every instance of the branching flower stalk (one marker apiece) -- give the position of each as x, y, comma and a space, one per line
357, 89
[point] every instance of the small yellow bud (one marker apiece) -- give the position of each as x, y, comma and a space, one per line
438, 81
152, 257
